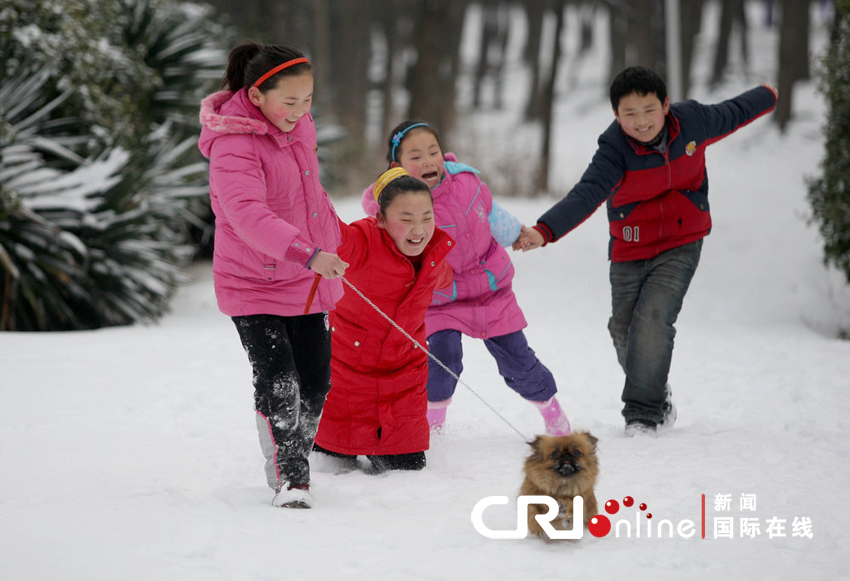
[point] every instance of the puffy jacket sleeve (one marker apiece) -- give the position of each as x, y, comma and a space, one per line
727, 117
354, 245
504, 226
241, 190
605, 171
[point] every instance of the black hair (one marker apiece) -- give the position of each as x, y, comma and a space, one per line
250, 60
401, 185
640, 80
398, 134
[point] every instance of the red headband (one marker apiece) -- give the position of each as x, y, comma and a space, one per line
279, 68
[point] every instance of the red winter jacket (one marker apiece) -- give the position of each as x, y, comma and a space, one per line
378, 399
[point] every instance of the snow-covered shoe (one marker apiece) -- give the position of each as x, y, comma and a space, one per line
437, 415
641, 428
294, 496
322, 460
554, 418
669, 410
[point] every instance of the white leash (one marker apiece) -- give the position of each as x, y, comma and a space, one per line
437, 361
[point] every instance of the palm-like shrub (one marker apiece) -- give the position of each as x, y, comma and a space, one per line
829, 194
98, 191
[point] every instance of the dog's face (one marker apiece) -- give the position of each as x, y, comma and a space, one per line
563, 465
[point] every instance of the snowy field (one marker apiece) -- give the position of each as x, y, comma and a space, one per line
132, 453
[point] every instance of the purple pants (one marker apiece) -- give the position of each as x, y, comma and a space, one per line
517, 363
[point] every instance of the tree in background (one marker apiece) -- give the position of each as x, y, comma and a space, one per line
793, 55
830, 193
99, 167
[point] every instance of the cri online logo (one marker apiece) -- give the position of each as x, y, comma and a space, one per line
599, 525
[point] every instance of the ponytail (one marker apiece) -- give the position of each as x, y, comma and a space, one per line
251, 60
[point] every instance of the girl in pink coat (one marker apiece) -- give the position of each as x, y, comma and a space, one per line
274, 267
481, 303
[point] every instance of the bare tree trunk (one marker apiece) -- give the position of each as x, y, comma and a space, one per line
618, 27
432, 87
548, 99
793, 49
534, 10
321, 54
396, 21
501, 45
740, 17
489, 30
350, 53
691, 17
641, 21
451, 62
731, 12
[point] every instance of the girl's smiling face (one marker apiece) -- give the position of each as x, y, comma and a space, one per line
409, 221
420, 154
290, 100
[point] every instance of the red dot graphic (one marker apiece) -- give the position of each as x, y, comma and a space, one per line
612, 506
649, 515
628, 501
599, 526
642, 506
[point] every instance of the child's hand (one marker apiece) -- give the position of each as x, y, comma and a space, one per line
772, 88
529, 239
328, 265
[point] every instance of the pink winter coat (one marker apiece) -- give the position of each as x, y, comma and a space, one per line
271, 212
481, 302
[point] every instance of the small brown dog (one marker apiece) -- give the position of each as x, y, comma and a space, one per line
562, 467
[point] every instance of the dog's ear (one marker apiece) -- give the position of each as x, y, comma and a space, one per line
535, 444
592, 439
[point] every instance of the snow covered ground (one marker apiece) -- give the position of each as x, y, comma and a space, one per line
132, 453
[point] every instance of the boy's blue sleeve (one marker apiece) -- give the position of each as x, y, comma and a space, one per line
504, 226
599, 180
729, 116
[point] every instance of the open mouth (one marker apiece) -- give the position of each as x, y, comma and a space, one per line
415, 241
430, 176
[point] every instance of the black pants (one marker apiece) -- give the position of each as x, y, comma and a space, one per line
291, 358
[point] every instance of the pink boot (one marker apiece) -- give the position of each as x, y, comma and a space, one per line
437, 414
554, 418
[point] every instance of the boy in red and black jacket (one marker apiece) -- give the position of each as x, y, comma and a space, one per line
650, 168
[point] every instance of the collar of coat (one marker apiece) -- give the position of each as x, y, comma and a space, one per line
212, 118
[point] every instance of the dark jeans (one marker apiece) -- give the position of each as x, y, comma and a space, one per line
646, 297
517, 363
291, 358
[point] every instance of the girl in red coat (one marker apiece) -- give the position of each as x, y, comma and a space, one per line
377, 405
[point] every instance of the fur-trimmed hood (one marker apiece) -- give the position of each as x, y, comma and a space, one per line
212, 117
228, 113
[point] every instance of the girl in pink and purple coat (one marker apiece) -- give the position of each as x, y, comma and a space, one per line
274, 267
481, 302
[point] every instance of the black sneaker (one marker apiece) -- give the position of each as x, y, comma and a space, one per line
322, 460
412, 461
640, 428
293, 496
